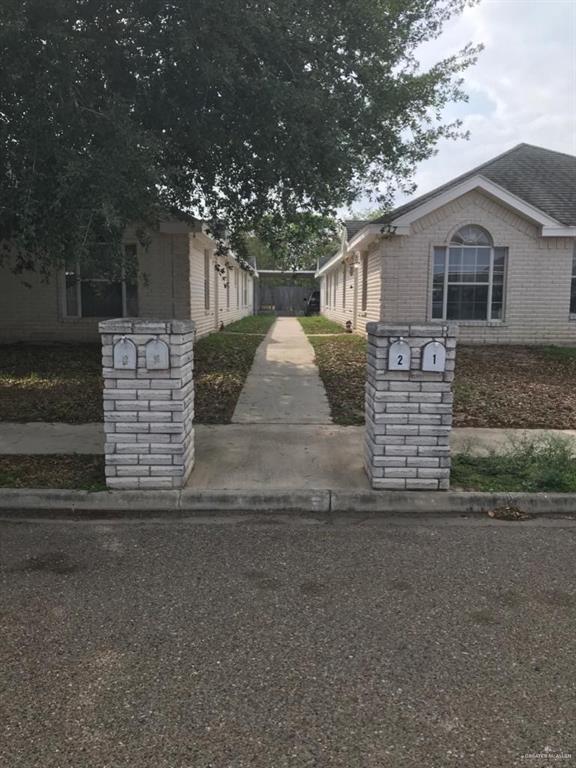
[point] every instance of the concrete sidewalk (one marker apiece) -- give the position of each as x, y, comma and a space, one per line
283, 386
254, 456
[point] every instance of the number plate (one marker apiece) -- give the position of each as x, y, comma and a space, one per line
125, 355
434, 357
157, 355
399, 356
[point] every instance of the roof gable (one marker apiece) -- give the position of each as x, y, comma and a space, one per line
540, 177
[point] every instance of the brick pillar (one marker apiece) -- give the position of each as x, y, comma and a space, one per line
148, 402
409, 412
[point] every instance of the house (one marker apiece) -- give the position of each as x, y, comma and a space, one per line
492, 250
179, 275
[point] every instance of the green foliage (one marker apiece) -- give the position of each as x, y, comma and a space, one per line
259, 324
559, 353
84, 472
319, 325
543, 463
120, 111
292, 243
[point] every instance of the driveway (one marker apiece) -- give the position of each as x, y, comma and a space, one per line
275, 643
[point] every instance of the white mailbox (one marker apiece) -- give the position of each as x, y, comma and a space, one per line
124, 354
157, 355
399, 356
434, 357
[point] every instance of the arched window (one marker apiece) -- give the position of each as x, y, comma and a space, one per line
472, 235
468, 280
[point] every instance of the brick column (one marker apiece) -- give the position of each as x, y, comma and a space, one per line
409, 412
148, 402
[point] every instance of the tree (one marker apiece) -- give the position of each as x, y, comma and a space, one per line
293, 243
116, 111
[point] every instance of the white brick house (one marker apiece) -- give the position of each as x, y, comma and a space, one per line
493, 251
177, 278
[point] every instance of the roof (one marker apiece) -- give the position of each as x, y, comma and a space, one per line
353, 226
541, 177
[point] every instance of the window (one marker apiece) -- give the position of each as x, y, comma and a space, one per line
244, 288
237, 286
90, 294
206, 279
228, 278
573, 285
344, 286
335, 287
364, 282
328, 290
468, 277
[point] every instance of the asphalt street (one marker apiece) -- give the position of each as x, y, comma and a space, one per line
269, 643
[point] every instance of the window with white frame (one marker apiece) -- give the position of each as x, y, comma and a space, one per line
335, 287
237, 287
90, 293
344, 276
468, 277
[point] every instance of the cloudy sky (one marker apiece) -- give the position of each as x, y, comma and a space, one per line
523, 88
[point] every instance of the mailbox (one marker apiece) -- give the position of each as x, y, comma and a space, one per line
124, 354
157, 355
399, 356
434, 357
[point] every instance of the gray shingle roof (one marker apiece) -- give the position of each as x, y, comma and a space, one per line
541, 177
353, 226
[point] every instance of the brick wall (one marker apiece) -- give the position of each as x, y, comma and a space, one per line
208, 319
340, 311
148, 414
408, 413
170, 284
537, 290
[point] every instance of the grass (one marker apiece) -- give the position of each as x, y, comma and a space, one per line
545, 463
319, 325
515, 387
59, 382
252, 324
63, 382
341, 361
221, 365
510, 387
82, 472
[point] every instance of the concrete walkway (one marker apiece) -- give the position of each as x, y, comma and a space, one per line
249, 456
283, 386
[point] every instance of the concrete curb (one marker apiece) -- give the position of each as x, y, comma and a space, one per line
20, 504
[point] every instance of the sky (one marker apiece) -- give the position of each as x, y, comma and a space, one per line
522, 89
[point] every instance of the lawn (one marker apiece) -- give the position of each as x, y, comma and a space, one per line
507, 387
83, 472
60, 382
63, 382
252, 324
222, 362
320, 325
342, 364
542, 464
524, 387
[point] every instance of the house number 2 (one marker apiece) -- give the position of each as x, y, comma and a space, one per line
399, 356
